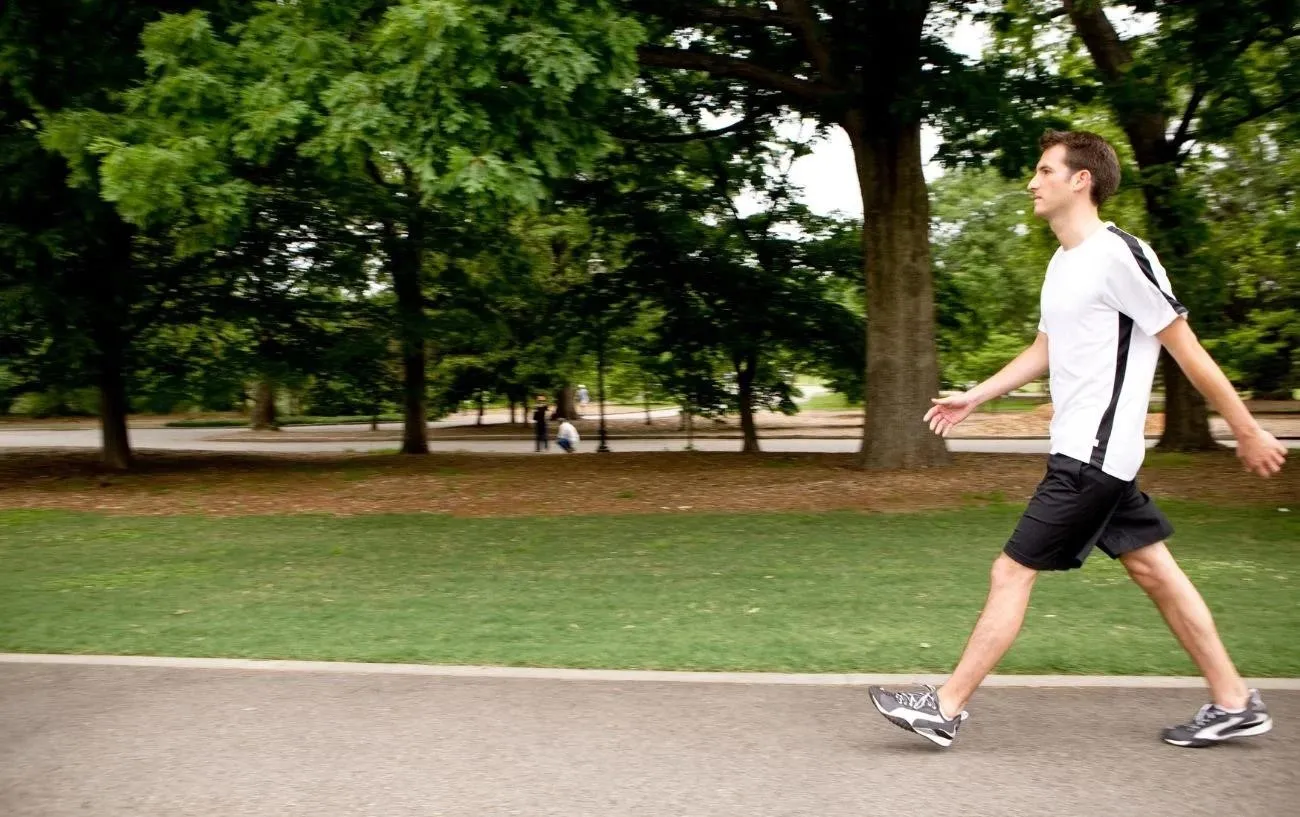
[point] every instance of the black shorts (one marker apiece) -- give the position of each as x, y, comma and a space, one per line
1078, 506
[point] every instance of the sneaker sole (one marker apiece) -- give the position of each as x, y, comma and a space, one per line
902, 723
1260, 728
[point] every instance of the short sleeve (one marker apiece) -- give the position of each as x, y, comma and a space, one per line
1042, 325
1137, 286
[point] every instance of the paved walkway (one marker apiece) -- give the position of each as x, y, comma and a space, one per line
95, 741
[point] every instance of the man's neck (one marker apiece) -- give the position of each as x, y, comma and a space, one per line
1073, 228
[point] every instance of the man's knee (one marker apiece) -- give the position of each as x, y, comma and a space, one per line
1151, 567
1007, 572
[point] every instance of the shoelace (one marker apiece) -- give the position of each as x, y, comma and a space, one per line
1206, 714
918, 700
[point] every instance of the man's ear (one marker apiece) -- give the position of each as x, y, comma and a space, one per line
1081, 180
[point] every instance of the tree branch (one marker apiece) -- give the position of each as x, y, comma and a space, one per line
377, 175
693, 14
675, 138
810, 32
740, 15
735, 68
1108, 51
1253, 115
1198, 94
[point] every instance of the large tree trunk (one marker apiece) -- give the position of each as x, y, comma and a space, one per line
264, 405
116, 450
745, 372
565, 403
902, 361
1187, 424
404, 261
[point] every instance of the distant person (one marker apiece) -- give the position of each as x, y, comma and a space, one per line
567, 437
1107, 310
540, 439
584, 396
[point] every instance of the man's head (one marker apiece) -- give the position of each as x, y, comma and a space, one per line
1077, 168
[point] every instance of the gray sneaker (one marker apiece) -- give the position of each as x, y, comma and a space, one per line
917, 712
1213, 724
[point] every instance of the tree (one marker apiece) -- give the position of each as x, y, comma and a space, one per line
76, 272
737, 298
877, 70
425, 115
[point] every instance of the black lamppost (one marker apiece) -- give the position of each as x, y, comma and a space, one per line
597, 267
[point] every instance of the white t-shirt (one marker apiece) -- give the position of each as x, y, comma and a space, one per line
567, 432
1103, 303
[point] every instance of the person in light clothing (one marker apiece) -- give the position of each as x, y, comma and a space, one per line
567, 437
1107, 310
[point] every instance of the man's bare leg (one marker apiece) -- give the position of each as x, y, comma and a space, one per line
999, 624
1154, 569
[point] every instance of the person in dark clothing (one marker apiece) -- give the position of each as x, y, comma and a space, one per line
542, 443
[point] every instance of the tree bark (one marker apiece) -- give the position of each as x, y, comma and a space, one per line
1187, 425
404, 255
902, 360
264, 405
565, 402
745, 371
116, 450
512, 411
479, 399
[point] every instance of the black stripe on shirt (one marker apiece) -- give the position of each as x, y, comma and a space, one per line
1121, 368
1144, 264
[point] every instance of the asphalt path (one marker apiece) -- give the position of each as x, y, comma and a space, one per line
95, 741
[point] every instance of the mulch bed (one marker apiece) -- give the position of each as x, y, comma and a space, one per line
529, 485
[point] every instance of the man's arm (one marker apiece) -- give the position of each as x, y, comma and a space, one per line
1258, 450
1029, 365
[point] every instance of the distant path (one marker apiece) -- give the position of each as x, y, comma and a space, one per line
210, 439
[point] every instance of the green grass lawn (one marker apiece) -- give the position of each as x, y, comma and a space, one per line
825, 592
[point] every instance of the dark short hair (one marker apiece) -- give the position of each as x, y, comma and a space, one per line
1090, 152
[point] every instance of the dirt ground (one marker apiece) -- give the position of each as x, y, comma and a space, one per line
522, 485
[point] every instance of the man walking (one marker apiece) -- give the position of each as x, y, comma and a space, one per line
1106, 310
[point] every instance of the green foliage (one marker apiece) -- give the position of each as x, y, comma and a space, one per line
56, 403
1254, 226
474, 101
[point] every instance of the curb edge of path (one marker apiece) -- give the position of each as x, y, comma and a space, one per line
658, 676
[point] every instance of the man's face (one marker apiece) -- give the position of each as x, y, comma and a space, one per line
1053, 185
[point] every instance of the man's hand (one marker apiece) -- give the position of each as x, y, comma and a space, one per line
949, 411
1260, 452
